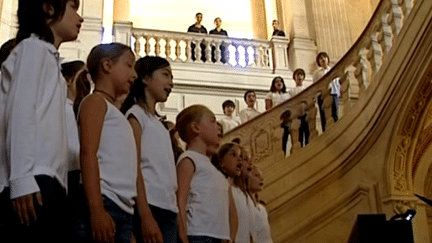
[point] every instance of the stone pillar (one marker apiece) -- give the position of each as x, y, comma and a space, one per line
302, 49
121, 10
280, 54
259, 27
123, 32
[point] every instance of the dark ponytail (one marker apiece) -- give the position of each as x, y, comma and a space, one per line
83, 88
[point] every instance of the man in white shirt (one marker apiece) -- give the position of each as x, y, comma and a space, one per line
250, 111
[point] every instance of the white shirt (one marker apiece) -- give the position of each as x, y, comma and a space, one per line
262, 226
208, 199
32, 110
72, 134
334, 84
277, 98
244, 216
294, 91
118, 160
247, 114
157, 161
229, 123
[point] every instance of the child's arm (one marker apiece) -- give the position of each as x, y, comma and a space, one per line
232, 216
185, 171
149, 229
26, 80
268, 104
90, 120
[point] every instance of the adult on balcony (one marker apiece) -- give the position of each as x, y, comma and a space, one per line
198, 28
218, 31
276, 30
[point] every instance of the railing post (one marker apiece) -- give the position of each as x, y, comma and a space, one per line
279, 47
122, 32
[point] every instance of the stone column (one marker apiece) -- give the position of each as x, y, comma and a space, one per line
259, 26
123, 32
121, 10
280, 54
122, 26
302, 49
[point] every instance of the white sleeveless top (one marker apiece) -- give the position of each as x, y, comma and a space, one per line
208, 199
117, 156
245, 226
262, 226
157, 161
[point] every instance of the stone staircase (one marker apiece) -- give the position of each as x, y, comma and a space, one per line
367, 162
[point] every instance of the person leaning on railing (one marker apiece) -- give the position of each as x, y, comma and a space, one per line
218, 31
198, 28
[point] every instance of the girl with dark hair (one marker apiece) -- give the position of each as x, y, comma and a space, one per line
107, 152
277, 94
33, 139
155, 153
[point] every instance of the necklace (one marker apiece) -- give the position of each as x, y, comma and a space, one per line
105, 93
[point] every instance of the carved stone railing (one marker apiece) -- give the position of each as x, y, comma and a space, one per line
217, 50
263, 134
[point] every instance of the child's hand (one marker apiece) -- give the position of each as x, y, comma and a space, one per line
150, 231
103, 226
24, 207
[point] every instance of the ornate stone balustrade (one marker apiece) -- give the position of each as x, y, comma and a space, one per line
263, 135
205, 49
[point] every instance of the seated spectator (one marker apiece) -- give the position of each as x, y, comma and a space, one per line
276, 30
298, 76
229, 121
277, 93
198, 28
250, 111
323, 62
218, 31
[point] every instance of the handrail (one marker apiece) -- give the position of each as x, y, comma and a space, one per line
262, 136
218, 50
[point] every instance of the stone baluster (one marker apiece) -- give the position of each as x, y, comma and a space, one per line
208, 51
168, 49
137, 45
344, 99
311, 117
198, 51
237, 54
227, 52
246, 55
374, 54
255, 56
147, 45
260, 59
361, 71
217, 46
406, 6
157, 46
327, 106
188, 50
386, 35
396, 17
178, 50
295, 130
266, 56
